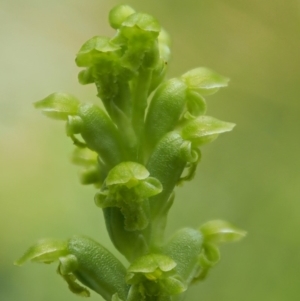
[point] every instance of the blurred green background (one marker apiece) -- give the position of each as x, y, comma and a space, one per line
250, 177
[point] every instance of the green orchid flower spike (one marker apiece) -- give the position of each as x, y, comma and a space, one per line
135, 148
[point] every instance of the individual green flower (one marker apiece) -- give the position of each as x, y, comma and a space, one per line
82, 259
154, 275
128, 187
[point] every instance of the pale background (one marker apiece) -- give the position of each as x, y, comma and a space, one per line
250, 176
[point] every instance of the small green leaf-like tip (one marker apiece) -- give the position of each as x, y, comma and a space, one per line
58, 105
44, 251
119, 14
219, 231
204, 80
204, 129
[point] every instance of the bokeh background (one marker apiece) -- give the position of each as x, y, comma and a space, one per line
250, 177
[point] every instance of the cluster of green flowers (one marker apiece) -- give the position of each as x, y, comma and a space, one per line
135, 152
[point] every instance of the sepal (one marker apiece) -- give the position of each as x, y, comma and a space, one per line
58, 105
219, 231
204, 129
204, 81
44, 251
